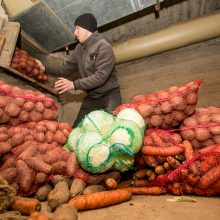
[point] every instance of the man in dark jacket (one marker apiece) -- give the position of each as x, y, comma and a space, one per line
95, 60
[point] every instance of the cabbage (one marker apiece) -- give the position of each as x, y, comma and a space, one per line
73, 138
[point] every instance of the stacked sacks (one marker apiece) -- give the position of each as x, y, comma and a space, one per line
102, 141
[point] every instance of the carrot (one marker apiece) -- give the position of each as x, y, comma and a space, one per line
125, 184
176, 189
208, 162
140, 174
96, 179
162, 151
159, 170
209, 178
188, 152
100, 199
140, 183
161, 159
151, 175
193, 179
183, 173
157, 139
173, 162
37, 216
145, 190
188, 189
25, 205
150, 160
166, 166
111, 183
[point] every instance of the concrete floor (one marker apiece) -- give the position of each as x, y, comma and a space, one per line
157, 208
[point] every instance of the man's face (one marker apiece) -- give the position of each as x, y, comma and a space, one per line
81, 34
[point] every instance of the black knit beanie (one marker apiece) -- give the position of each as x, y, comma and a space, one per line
87, 21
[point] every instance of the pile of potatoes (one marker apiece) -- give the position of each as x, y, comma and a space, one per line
50, 132
19, 105
27, 65
202, 128
166, 108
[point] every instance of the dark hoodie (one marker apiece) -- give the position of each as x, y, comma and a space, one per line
96, 63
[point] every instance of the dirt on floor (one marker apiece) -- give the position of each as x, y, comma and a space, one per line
157, 208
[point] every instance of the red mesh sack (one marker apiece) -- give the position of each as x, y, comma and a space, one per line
161, 151
27, 65
50, 132
29, 165
19, 105
166, 108
202, 128
199, 175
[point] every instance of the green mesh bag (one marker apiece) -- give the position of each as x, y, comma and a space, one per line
126, 132
73, 138
98, 120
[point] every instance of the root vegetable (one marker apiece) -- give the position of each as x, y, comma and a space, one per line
12, 109
77, 187
93, 189
111, 183
162, 151
188, 152
202, 134
9, 174
25, 205
173, 162
65, 212
188, 134
43, 192
215, 118
72, 164
145, 190
156, 121
159, 170
100, 199
5, 147
59, 195
150, 160
40, 178
17, 139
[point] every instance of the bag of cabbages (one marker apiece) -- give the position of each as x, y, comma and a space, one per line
166, 108
102, 141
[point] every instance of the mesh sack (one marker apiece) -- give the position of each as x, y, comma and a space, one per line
28, 166
166, 108
19, 105
27, 65
202, 128
103, 145
199, 175
43, 132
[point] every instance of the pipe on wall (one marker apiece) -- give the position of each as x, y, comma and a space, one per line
175, 36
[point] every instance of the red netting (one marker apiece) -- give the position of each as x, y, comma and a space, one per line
198, 176
27, 65
29, 165
19, 105
166, 108
202, 128
161, 151
45, 131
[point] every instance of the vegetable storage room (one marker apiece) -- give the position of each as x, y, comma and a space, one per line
155, 155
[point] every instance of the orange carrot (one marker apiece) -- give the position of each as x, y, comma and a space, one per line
111, 183
140, 183
145, 190
188, 152
159, 170
151, 175
208, 162
100, 199
37, 216
140, 174
209, 178
157, 139
166, 166
173, 162
125, 184
150, 160
176, 189
193, 179
25, 205
162, 151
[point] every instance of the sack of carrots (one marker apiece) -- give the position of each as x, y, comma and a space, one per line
162, 151
27, 65
50, 132
19, 105
199, 175
29, 165
166, 108
202, 128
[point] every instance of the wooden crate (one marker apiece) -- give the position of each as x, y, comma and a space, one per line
9, 32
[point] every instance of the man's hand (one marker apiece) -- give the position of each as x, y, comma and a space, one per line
62, 85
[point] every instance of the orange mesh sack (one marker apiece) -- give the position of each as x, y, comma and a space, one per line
202, 128
199, 175
19, 105
166, 108
162, 150
27, 65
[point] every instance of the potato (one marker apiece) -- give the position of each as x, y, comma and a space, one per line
12, 109
93, 188
35, 116
172, 89
3, 137
59, 137
47, 114
196, 144
40, 178
191, 98
17, 139
28, 106
39, 106
40, 137
165, 107
216, 139
190, 122
19, 101
203, 119
139, 98
156, 121
43, 192
202, 134
178, 115
51, 126
215, 118
187, 134
5, 147
214, 130
145, 110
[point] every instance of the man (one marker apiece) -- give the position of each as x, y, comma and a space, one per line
95, 60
